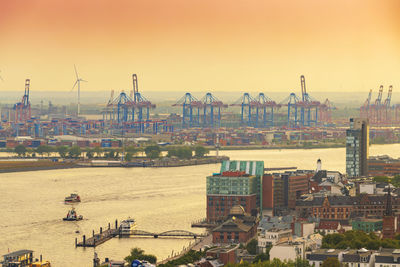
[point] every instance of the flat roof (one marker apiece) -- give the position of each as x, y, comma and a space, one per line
18, 253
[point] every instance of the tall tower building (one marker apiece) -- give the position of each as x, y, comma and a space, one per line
389, 220
357, 143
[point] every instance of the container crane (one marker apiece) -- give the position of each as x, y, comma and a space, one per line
23, 108
190, 110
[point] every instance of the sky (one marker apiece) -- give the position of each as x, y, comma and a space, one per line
200, 45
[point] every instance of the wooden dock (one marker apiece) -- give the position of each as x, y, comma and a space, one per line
99, 238
103, 236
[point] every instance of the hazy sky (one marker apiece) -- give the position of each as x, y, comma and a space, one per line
187, 45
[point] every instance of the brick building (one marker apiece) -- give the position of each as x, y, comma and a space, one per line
238, 183
281, 190
239, 227
346, 207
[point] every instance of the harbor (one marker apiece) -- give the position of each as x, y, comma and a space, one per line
160, 199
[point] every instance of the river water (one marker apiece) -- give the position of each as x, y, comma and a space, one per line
32, 208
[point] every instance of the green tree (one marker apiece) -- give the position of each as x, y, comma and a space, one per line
62, 151
331, 262
252, 247
138, 254
200, 151
41, 150
152, 151
132, 149
48, 150
74, 152
381, 179
128, 156
89, 154
20, 150
98, 151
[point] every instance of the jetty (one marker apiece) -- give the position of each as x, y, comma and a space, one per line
104, 235
99, 238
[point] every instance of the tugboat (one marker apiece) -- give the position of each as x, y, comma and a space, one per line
73, 198
72, 216
127, 227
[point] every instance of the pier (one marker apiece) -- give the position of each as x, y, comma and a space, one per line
103, 236
99, 238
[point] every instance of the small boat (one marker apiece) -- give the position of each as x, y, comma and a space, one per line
73, 198
73, 216
127, 227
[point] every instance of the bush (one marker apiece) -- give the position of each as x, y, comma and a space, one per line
138, 254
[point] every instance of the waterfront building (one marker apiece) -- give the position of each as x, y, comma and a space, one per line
281, 190
239, 227
238, 183
383, 166
367, 225
18, 258
357, 143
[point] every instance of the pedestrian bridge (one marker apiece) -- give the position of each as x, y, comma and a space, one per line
171, 233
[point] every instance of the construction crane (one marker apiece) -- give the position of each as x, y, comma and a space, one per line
23, 108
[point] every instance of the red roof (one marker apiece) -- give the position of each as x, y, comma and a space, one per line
328, 225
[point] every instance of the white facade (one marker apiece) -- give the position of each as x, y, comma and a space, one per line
272, 237
367, 188
287, 251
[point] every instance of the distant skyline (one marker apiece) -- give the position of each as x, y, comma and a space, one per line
208, 45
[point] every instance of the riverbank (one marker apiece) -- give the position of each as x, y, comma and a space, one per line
263, 147
9, 165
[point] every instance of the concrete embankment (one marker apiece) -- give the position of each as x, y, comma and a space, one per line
9, 166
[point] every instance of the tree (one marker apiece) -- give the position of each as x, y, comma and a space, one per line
62, 151
138, 254
331, 262
200, 151
41, 150
128, 156
152, 151
89, 154
48, 150
252, 247
132, 149
75, 152
381, 179
20, 150
98, 151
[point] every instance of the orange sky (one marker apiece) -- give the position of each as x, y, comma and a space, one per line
188, 45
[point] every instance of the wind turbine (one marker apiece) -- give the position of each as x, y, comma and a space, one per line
78, 81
